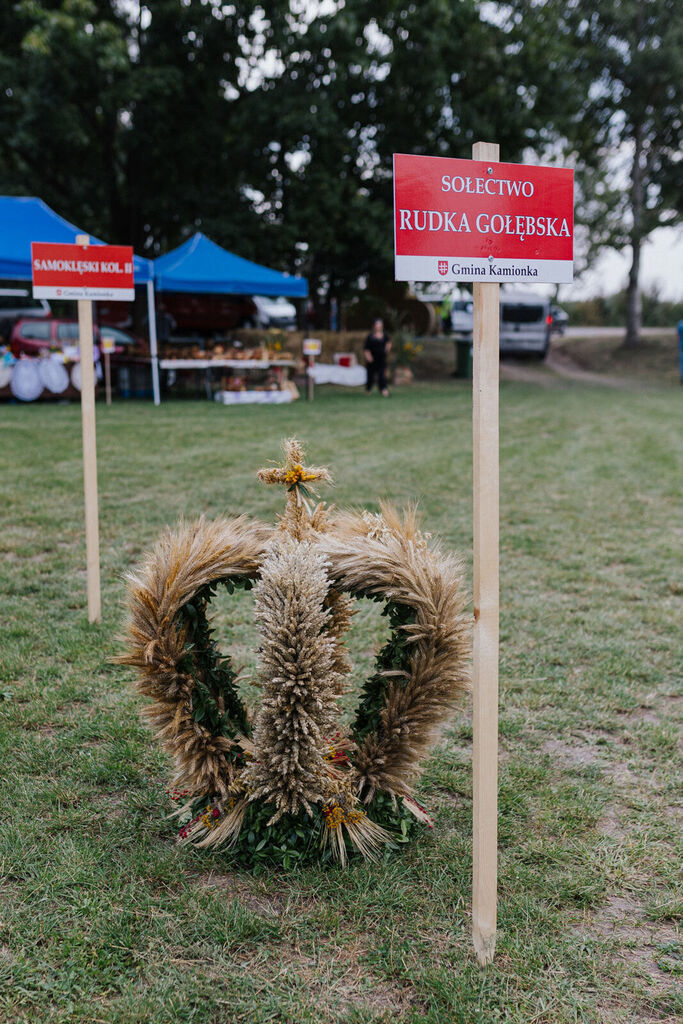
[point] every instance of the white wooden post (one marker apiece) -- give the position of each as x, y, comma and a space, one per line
486, 608
92, 532
152, 321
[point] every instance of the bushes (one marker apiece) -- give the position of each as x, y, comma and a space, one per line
610, 310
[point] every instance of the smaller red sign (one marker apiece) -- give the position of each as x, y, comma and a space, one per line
470, 220
82, 271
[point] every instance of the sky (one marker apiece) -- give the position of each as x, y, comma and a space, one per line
661, 263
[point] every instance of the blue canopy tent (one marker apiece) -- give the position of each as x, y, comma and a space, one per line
26, 219
199, 265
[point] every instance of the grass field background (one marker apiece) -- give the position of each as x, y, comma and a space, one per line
104, 919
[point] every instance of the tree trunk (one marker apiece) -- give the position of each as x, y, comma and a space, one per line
633, 299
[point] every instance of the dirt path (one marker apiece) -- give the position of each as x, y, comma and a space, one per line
562, 364
528, 373
556, 368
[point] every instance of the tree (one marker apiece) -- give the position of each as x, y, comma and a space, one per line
272, 128
129, 120
638, 52
624, 60
359, 82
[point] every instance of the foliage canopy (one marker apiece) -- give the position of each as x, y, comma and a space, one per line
272, 127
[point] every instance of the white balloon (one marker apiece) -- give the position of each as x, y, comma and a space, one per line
26, 384
53, 375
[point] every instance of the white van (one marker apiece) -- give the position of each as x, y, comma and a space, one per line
275, 312
525, 323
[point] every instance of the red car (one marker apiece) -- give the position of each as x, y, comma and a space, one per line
30, 337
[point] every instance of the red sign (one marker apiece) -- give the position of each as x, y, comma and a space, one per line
82, 271
470, 220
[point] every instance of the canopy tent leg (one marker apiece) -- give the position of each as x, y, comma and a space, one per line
152, 321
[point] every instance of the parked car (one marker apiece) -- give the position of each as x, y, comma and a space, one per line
462, 316
560, 320
431, 295
525, 322
275, 312
31, 337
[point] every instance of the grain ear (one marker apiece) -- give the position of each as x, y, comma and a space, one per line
298, 712
385, 554
185, 560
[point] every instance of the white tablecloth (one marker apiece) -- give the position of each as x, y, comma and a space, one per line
250, 397
328, 373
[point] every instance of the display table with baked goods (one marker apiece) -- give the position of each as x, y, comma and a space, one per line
241, 364
246, 370
256, 376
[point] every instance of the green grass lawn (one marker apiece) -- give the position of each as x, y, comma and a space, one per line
105, 919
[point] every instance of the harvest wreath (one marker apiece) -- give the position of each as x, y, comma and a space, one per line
288, 783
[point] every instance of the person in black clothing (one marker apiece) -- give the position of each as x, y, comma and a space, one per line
377, 348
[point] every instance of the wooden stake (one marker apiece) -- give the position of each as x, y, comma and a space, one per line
107, 377
486, 608
310, 389
92, 533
